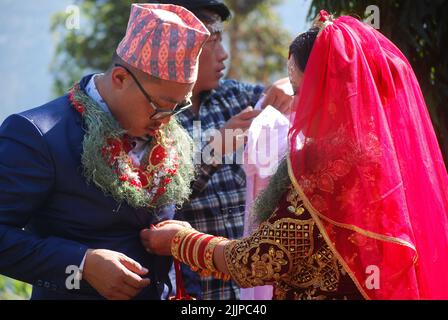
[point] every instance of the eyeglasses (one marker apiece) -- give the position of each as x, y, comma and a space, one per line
160, 113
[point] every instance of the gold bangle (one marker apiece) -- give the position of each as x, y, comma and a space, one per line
189, 259
196, 250
177, 241
185, 242
209, 252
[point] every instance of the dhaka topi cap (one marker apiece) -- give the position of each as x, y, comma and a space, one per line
164, 41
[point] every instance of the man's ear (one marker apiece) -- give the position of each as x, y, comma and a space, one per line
119, 78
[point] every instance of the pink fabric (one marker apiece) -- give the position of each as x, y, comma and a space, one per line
368, 165
254, 185
266, 146
164, 41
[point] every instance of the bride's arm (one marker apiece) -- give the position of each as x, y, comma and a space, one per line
260, 259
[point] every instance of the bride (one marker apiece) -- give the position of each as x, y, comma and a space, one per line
358, 209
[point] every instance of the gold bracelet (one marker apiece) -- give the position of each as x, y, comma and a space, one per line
190, 244
209, 252
196, 247
185, 243
177, 241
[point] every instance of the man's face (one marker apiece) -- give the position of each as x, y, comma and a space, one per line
211, 64
135, 110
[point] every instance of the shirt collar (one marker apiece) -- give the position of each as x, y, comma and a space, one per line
92, 92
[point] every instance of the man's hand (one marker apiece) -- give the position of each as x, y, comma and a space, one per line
234, 131
157, 240
114, 275
280, 96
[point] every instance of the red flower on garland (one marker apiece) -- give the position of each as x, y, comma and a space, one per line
172, 171
76, 104
114, 147
136, 184
123, 178
143, 178
127, 146
158, 154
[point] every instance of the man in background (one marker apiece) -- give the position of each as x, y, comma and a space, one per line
217, 205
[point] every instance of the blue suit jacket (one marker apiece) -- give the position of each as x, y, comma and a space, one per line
50, 216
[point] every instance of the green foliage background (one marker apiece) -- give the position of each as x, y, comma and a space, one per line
13, 290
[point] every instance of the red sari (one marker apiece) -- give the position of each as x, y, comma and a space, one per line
365, 160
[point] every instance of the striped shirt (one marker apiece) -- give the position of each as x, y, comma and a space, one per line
218, 202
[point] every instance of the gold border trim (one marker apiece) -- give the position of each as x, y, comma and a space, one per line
316, 215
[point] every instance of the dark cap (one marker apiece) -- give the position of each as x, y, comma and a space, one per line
216, 6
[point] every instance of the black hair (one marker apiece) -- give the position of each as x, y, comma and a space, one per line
302, 46
195, 6
115, 59
205, 16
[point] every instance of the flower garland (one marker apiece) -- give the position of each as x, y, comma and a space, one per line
153, 177
140, 185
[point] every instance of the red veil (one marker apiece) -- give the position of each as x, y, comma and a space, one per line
365, 159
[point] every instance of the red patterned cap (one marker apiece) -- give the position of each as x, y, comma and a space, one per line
164, 41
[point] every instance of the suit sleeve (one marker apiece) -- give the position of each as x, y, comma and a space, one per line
26, 183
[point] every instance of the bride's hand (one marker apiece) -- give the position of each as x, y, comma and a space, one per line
182, 223
158, 239
280, 96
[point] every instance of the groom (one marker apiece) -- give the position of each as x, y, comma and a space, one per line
81, 176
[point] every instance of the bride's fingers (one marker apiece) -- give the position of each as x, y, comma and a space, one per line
160, 224
164, 223
182, 223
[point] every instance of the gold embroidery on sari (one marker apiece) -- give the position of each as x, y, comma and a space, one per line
283, 242
289, 252
296, 206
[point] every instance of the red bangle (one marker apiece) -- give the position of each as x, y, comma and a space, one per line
183, 246
200, 253
190, 250
177, 242
209, 253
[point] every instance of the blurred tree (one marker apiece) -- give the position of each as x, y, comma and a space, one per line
89, 48
258, 45
13, 290
420, 30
